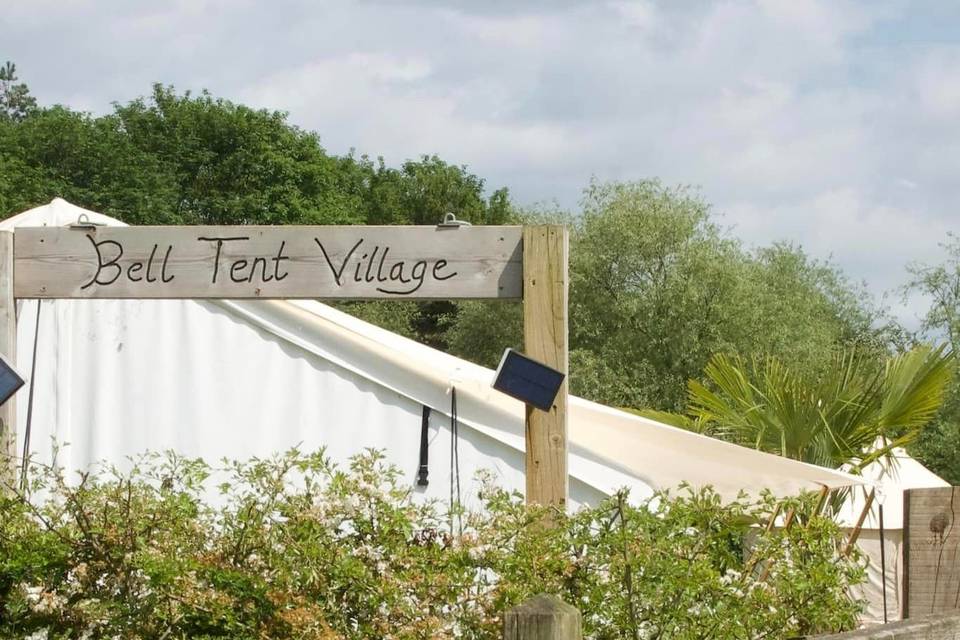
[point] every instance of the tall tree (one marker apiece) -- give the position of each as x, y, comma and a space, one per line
422, 192
657, 288
89, 161
16, 103
939, 446
941, 284
235, 165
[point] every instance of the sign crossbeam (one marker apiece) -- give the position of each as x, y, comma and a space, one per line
269, 262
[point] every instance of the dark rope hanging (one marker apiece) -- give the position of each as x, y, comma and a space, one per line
423, 470
26, 431
454, 463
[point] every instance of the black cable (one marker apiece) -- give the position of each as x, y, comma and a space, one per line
423, 470
26, 430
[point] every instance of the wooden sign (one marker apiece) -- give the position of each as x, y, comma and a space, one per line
454, 262
269, 262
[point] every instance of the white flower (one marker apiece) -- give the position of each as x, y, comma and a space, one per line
49, 602
478, 551
729, 577
647, 629
33, 594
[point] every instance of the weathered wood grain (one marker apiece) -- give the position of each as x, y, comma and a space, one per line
545, 287
269, 262
543, 617
8, 346
931, 540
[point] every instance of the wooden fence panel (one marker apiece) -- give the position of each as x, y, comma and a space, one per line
931, 544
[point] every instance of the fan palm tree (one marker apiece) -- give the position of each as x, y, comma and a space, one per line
832, 421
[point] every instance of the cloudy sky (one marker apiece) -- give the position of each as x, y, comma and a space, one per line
831, 124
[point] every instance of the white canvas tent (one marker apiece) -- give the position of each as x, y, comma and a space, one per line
890, 478
234, 379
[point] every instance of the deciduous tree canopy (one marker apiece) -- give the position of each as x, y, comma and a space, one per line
939, 445
657, 288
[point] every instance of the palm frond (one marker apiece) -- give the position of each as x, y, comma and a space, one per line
678, 420
833, 420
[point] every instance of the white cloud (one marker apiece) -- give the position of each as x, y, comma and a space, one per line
938, 84
637, 13
380, 108
848, 227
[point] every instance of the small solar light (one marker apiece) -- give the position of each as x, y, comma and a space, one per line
10, 380
527, 380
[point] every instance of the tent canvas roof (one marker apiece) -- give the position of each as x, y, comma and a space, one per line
891, 478
606, 444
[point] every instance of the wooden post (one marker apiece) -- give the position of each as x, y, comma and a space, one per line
8, 346
905, 572
543, 617
545, 285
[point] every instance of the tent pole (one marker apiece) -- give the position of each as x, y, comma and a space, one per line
754, 557
787, 523
856, 529
824, 490
25, 463
883, 565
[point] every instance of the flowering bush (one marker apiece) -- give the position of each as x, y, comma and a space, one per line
298, 548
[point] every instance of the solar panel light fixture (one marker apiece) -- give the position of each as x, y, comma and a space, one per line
527, 380
10, 380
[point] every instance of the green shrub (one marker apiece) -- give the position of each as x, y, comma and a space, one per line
295, 547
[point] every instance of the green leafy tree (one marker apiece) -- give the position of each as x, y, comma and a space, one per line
183, 159
235, 165
657, 288
90, 161
941, 283
832, 419
423, 192
649, 275
939, 446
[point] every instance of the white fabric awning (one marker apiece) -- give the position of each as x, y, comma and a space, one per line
891, 477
